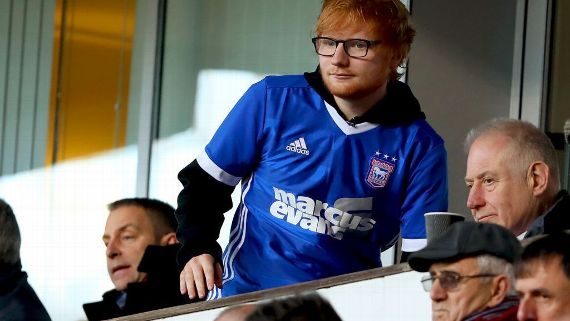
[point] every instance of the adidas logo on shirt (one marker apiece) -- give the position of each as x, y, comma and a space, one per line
298, 146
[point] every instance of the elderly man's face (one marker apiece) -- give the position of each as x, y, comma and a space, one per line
544, 295
470, 295
498, 190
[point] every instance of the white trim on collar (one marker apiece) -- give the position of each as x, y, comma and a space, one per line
344, 126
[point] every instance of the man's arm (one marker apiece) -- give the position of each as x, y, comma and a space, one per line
200, 214
232, 153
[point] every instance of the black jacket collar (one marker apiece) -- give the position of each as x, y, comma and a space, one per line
11, 275
555, 219
159, 290
398, 107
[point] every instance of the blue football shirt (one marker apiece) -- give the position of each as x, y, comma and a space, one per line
320, 197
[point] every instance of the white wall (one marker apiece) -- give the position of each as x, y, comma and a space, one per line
460, 69
61, 210
397, 297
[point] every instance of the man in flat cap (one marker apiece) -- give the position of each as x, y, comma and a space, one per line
470, 269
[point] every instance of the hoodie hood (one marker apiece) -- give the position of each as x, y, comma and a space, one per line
398, 107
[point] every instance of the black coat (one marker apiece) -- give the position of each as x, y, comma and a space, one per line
160, 290
556, 219
18, 301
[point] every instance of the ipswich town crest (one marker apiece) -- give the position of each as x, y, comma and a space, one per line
380, 170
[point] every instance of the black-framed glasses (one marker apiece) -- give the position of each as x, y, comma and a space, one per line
356, 48
449, 280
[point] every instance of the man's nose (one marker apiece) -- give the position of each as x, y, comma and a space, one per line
437, 293
340, 57
527, 310
113, 249
475, 199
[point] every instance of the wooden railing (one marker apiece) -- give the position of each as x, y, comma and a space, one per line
271, 293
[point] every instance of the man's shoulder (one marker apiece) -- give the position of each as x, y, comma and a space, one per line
424, 133
21, 301
557, 217
104, 309
286, 81
94, 306
146, 296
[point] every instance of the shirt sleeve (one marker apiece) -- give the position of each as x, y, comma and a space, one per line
426, 192
235, 149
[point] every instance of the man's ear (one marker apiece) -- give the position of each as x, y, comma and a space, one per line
397, 58
168, 239
537, 177
499, 289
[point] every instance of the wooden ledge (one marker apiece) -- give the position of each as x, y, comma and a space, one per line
270, 293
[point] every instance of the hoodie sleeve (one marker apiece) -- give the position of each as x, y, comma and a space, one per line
209, 181
199, 218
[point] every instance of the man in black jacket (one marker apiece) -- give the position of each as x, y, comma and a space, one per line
140, 237
513, 178
18, 301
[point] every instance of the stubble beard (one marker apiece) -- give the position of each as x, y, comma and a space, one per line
352, 90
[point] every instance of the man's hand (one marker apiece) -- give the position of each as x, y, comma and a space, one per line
200, 275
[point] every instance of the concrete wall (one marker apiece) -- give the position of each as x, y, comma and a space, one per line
460, 68
396, 297
559, 103
559, 87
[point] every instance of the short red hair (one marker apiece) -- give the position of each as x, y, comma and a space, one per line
389, 19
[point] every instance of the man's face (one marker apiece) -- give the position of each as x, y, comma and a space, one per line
471, 294
127, 234
356, 78
544, 295
498, 193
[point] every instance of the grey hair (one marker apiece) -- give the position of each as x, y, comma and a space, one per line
489, 264
527, 143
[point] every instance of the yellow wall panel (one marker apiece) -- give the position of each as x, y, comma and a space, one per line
90, 82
